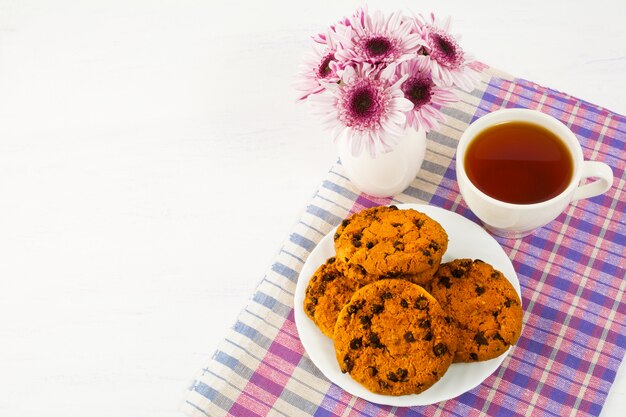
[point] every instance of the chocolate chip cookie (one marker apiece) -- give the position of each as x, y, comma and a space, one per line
386, 242
326, 294
484, 305
394, 338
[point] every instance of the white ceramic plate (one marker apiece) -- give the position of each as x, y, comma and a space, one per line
466, 240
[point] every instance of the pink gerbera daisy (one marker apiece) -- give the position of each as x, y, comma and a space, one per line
376, 40
317, 66
366, 106
321, 63
448, 61
427, 97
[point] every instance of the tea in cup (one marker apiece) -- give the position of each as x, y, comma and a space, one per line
518, 169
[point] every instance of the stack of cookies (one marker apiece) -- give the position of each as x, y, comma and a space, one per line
398, 317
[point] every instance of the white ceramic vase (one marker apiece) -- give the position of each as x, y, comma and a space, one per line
387, 174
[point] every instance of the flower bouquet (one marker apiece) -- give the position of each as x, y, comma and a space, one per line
373, 79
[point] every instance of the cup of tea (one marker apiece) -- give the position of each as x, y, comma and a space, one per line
518, 169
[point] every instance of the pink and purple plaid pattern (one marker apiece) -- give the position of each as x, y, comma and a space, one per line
572, 273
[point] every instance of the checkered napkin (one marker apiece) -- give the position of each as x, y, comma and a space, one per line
572, 275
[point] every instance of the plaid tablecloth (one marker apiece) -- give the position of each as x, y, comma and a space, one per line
572, 273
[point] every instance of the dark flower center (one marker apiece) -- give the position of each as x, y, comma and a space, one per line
445, 46
362, 103
324, 70
445, 50
378, 46
418, 90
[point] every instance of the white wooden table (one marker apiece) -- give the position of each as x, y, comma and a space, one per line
153, 159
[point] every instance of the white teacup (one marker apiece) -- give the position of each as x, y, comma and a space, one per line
518, 220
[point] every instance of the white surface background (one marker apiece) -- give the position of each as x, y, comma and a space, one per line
152, 160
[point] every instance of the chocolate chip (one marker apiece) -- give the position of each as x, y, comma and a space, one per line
508, 303
366, 321
495, 274
328, 277
383, 384
336, 236
369, 245
479, 261
374, 341
421, 303
356, 343
310, 308
473, 356
480, 339
345, 223
393, 207
448, 319
445, 281
404, 303
495, 314
457, 273
355, 307
392, 377
419, 223
434, 245
480, 290
356, 243
499, 337
387, 295
430, 262
348, 364
402, 374
424, 324
357, 236
373, 370
408, 336
396, 224
426, 253
398, 245
428, 336
377, 308
331, 261
440, 349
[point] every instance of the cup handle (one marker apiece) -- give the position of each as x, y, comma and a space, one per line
604, 180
